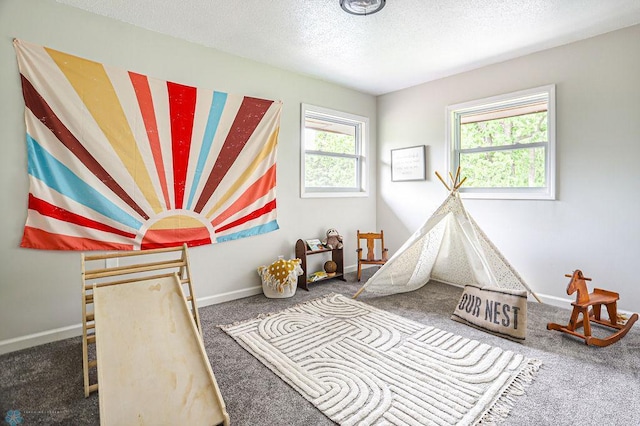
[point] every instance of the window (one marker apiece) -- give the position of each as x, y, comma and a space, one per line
334, 144
505, 145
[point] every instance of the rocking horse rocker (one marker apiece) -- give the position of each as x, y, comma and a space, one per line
595, 300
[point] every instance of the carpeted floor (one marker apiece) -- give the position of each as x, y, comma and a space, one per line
575, 385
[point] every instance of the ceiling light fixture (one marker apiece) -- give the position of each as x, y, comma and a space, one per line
362, 7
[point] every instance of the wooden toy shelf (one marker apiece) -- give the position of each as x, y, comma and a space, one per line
302, 252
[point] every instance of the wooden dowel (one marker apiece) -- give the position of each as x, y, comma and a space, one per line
132, 269
460, 184
130, 280
443, 182
131, 253
571, 275
536, 297
358, 292
455, 182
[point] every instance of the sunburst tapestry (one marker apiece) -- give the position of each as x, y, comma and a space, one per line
121, 161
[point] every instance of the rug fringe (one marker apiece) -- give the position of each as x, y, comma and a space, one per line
225, 327
505, 402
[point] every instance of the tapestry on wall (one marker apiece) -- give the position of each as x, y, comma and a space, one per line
121, 161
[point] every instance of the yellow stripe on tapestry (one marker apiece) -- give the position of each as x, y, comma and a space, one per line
264, 153
96, 91
177, 222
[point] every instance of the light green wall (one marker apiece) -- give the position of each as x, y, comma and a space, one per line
593, 225
40, 290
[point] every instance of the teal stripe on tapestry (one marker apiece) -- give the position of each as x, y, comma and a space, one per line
45, 167
215, 113
256, 230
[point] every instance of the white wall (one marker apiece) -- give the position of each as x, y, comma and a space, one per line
40, 290
593, 225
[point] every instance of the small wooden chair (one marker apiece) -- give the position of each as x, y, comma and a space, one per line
590, 305
371, 259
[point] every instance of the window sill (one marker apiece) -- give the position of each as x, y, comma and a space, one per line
507, 194
354, 194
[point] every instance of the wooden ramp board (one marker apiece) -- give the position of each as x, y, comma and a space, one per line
152, 365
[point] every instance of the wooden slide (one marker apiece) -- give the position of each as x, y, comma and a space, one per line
151, 363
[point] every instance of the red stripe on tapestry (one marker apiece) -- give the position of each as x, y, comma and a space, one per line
37, 238
193, 243
49, 210
154, 238
253, 215
182, 105
247, 119
145, 102
256, 191
43, 112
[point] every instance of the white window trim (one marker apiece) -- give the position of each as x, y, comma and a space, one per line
546, 193
364, 154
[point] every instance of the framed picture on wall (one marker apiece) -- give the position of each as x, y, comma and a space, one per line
408, 163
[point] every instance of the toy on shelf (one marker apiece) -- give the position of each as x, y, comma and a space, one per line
590, 305
317, 276
330, 267
333, 240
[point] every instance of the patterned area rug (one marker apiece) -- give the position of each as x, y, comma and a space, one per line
362, 365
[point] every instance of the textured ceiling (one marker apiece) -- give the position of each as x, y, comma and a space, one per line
407, 43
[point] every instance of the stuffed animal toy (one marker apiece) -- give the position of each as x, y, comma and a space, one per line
280, 278
333, 240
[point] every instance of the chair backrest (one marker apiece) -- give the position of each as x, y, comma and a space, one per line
370, 238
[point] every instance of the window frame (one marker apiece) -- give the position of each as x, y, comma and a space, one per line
453, 150
361, 125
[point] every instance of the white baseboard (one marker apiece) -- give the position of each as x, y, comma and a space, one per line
559, 302
48, 336
226, 297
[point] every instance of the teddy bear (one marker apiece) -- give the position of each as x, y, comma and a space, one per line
333, 240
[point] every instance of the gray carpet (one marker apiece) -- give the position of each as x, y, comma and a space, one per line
576, 385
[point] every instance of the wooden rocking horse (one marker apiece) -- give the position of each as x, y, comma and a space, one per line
585, 301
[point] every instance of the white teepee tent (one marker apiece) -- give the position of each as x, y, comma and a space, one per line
449, 247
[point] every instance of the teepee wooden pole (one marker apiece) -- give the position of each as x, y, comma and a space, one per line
536, 297
443, 182
455, 188
455, 181
358, 292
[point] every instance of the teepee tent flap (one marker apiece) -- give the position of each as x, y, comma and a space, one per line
449, 247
